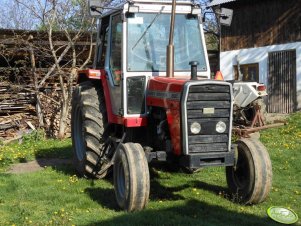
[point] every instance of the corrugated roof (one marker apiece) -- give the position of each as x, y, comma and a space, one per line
219, 2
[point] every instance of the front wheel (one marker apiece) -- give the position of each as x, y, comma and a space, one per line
250, 180
131, 177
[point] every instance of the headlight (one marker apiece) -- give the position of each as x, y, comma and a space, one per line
220, 127
195, 127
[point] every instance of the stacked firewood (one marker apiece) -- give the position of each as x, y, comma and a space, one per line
17, 111
16, 125
32, 94
15, 99
51, 111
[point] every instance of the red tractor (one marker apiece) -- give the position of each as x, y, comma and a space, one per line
143, 102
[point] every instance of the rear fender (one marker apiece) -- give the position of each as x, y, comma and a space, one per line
84, 75
98, 75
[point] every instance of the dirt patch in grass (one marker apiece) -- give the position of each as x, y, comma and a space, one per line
37, 165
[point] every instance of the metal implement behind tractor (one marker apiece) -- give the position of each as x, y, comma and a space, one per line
149, 97
249, 109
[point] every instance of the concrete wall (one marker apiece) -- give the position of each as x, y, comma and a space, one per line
260, 55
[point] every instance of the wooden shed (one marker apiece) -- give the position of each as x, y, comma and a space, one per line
264, 39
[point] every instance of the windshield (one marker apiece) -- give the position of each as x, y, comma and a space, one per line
148, 35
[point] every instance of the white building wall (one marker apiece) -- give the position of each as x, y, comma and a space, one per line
260, 55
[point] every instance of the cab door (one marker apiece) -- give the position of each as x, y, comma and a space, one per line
112, 41
113, 63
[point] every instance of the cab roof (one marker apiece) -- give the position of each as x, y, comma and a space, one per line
110, 9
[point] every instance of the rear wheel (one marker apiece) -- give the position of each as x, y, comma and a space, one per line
88, 119
131, 177
251, 179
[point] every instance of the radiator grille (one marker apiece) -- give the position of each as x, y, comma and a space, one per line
212, 96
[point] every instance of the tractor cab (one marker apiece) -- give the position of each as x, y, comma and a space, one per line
131, 48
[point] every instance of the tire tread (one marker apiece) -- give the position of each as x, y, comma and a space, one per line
262, 167
90, 99
138, 178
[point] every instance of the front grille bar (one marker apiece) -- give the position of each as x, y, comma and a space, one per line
203, 94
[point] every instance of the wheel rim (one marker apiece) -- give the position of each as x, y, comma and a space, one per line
79, 134
121, 181
241, 175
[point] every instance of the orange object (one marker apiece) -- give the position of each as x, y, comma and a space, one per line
219, 76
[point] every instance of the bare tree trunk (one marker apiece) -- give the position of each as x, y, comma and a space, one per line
36, 86
63, 119
64, 106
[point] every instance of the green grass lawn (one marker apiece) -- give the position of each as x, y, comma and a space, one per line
55, 196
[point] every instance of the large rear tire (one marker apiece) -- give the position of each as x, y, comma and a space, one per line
88, 120
131, 177
250, 180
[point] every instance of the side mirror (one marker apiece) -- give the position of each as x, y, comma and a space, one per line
226, 16
95, 8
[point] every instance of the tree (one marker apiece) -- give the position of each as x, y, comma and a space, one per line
56, 18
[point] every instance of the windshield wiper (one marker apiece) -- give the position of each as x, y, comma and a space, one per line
148, 27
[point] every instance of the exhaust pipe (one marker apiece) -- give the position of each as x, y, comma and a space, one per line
170, 47
170, 61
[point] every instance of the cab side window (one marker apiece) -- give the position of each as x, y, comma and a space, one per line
116, 46
102, 46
